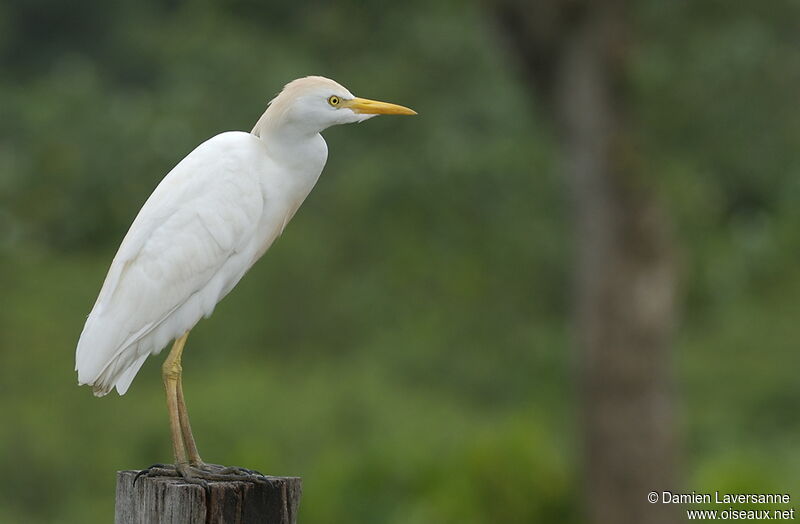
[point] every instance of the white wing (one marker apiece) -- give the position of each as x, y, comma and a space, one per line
192, 241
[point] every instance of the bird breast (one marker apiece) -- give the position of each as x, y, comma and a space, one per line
288, 173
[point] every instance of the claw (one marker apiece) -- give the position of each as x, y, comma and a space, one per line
157, 470
216, 472
235, 470
202, 473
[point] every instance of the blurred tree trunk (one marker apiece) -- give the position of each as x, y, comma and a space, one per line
573, 54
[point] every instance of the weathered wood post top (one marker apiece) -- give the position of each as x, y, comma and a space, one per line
172, 500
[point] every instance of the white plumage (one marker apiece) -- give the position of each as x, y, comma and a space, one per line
205, 225
195, 237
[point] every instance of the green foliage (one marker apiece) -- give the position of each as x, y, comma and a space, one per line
405, 347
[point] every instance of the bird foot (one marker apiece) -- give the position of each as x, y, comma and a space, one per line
202, 473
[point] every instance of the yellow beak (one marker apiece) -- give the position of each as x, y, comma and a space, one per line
373, 107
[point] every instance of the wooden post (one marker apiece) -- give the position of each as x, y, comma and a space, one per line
169, 500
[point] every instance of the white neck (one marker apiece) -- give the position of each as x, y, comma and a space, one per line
292, 145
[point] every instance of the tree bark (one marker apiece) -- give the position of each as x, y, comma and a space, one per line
573, 54
170, 500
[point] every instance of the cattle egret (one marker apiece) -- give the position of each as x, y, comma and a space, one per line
203, 227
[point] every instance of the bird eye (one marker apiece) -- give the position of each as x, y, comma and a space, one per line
334, 100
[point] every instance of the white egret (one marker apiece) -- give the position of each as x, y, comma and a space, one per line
211, 217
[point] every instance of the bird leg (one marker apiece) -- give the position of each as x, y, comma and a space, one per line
171, 373
188, 463
183, 417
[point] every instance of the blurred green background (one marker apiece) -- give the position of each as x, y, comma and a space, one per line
405, 347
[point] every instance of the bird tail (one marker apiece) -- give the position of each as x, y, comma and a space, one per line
103, 374
119, 375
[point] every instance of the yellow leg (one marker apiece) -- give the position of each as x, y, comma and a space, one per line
171, 373
186, 428
187, 460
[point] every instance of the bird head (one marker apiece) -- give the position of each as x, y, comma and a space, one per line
315, 103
